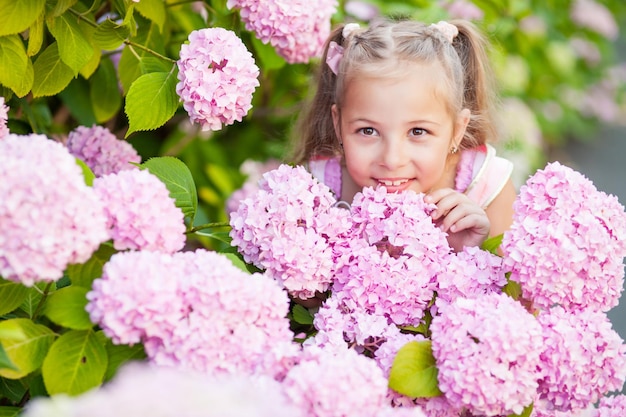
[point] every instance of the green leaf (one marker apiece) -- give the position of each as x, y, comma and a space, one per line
528, 410
110, 35
60, 7
91, 66
76, 363
33, 298
35, 36
121, 354
17, 16
83, 274
106, 98
51, 74
301, 315
179, 181
16, 69
13, 389
153, 10
66, 307
5, 361
12, 295
76, 97
26, 354
220, 177
155, 91
513, 289
10, 411
87, 172
75, 49
236, 260
414, 372
492, 244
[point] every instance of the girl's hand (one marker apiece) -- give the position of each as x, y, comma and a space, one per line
465, 222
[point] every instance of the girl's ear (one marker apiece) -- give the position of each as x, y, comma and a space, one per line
459, 127
336, 123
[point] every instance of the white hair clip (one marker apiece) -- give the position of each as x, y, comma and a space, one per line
349, 29
449, 30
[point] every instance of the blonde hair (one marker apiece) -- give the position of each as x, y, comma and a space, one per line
376, 51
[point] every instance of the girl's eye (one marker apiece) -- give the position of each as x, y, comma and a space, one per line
367, 131
416, 131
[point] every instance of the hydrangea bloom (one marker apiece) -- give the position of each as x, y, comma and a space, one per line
613, 406
595, 16
287, 227
388, 263
566, 245
4, 116
101, 150
217, 77
190, 308
487, 364
297, 29
49, 217
584, 344
253, 171
141, 214
469, 273
142, 390
339, 382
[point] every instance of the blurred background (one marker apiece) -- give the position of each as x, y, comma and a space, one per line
560, 65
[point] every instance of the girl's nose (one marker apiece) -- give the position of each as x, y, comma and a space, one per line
394, 155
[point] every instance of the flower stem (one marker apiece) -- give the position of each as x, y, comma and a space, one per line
46, 291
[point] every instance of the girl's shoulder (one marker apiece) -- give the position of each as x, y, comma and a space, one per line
327, 170
481, 174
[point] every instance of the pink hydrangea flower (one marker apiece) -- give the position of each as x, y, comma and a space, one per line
388, 263
336, 382
101, 150
582, 358
4, 116
141, 214
253, 170
297, 29
613, 406
566, 245
217, 77
139, 389
469, 273
463, 9
190, 308
287, 228
487, 364
48, 216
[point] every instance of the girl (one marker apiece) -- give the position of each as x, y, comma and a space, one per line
408, 106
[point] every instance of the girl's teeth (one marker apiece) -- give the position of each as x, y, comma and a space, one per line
393, 183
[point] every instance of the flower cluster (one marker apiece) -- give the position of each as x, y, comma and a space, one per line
297, 29
49, 217
393, 272
614, 406
140, 212
594, 355
217, 77
286, 227
145, 390
253, 171
485, 363
4, 116
195, 307
101, 150
566, 245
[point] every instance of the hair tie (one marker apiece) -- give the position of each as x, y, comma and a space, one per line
335, 51
447, 29
333, 56
349, 29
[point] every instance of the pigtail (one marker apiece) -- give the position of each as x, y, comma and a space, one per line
479, 95
315, 133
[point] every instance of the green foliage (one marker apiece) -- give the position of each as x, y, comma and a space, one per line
414, 372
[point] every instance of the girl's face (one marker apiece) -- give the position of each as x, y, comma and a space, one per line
398, 132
